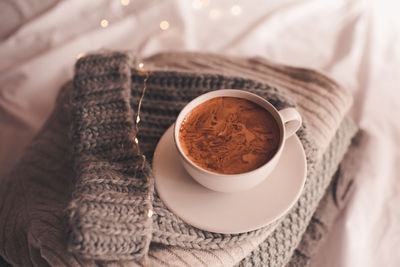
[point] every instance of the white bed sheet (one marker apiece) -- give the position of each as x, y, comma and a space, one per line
355, 42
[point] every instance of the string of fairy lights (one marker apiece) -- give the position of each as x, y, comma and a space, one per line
136, 140
164, 25
213, 13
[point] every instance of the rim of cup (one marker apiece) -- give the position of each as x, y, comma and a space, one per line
228, 93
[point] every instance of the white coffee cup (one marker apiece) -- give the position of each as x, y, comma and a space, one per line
288, 120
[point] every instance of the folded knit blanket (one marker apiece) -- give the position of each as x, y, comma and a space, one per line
329, 208
97, 170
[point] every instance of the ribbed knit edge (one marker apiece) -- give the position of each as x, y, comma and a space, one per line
110, 178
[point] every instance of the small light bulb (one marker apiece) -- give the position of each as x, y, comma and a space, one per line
125, 2
236, 10
214, 13
164, 25
80, 55
197, 4
104, 23
141, 65
136, 141
137, 119
150, 213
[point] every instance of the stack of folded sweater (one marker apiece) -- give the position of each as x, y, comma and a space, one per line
82, 193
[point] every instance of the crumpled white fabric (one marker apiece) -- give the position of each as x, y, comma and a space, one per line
355, 42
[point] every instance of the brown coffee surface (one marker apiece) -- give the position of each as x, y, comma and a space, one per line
229, 135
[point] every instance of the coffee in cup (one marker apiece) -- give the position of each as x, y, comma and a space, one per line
229, 135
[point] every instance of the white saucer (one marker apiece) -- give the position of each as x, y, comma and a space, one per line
228, 213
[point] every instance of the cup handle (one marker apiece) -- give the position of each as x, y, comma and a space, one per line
291, 120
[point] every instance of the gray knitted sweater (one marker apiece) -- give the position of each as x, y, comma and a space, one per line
109, 212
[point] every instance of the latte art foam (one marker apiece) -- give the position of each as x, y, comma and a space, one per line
229, 135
